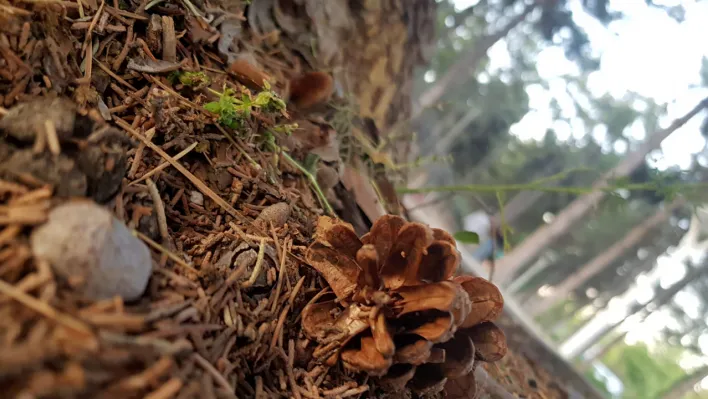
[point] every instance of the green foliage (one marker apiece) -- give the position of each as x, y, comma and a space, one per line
190, 79
233, 110
467, 237
596, 382
645, 373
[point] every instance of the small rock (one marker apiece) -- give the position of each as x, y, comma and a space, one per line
196, 198
327, 176
25, 120
276, 214
249, 258
85, 244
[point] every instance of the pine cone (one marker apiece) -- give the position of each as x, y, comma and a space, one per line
396, 312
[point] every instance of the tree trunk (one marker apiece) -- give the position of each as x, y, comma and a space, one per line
685, 385
546, 234
462, 70
661, 298
428, 145
602, 352
605, 258
444, 143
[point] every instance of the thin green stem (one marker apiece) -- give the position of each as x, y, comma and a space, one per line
534, 187
313, 182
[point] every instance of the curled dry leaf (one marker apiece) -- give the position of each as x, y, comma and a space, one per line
398, 312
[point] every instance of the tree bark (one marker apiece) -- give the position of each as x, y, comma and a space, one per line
462, 70
605, 258
537, 242
683, 386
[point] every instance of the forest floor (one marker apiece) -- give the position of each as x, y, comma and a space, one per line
147, 133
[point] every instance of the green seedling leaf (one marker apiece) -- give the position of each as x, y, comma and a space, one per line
467, 237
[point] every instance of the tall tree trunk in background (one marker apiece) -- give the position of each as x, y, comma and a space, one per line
604, 259
680, 388
661, 298
445, 142
537, 242
602, 352
518, 205
525, 200
463, 69
428, 145
461, 17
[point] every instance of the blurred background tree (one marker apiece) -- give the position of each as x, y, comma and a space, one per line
476, 102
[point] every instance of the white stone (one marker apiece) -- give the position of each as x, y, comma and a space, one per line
87, 246
196, 198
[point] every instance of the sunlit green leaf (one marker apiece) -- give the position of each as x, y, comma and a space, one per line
467, 237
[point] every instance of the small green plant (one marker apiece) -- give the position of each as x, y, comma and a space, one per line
233, 110
230, 110
194, 79
467, 237
268, 100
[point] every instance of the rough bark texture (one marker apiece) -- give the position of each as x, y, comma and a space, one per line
533, 245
